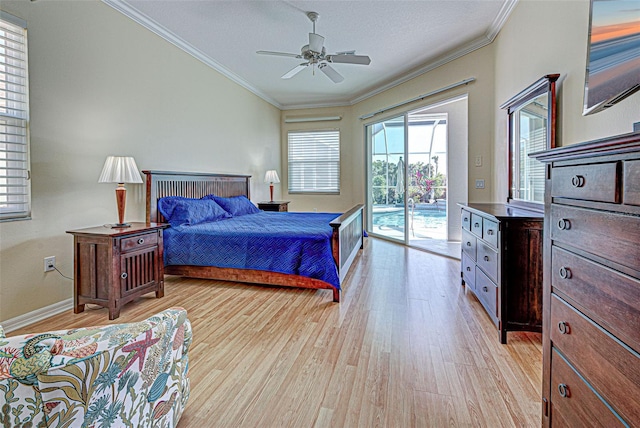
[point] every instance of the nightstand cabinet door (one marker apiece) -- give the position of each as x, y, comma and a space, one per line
139, 270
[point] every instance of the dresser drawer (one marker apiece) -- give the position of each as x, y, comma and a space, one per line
573, 402
139, 241
469, 243
610, 235
466, 220
476, 224
612, 370
488, 260
611, 298
468, 271
487, 292
490, 232
594, 182
631, 195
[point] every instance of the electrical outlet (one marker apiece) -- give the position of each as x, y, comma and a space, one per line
49, 263
480, 184
478, 160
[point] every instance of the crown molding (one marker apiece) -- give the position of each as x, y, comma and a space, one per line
501, 19
126, 9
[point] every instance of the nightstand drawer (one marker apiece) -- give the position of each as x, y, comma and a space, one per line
139, 241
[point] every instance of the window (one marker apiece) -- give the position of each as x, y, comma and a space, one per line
14, 117
314, 162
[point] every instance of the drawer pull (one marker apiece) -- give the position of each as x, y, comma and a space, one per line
564, 224
468, 243
577, 181
565, 273
485, 289
468, 269
486, 258
489, 231
124, 275
563, 390
476, 224
563, 328
140, 241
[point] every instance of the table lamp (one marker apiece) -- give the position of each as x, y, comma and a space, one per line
271, 177
120, 169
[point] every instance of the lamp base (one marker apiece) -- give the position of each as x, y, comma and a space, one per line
120, 225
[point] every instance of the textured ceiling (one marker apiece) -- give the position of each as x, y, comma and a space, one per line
403, 39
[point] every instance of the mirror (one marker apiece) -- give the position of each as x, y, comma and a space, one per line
532, 119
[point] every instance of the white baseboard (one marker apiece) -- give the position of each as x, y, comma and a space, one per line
37, 315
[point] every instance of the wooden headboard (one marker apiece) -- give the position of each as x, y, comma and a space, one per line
190, 185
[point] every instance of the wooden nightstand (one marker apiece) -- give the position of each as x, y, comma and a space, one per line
274, 205
114, 266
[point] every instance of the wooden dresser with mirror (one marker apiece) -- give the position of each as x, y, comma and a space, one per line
501, 260
591, 298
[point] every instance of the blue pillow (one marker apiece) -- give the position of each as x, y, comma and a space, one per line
236, 205
186, 211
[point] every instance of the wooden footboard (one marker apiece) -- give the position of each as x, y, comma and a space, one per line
346, 239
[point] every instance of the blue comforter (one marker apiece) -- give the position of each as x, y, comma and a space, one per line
286, 242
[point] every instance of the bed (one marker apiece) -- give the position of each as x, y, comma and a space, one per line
345, 234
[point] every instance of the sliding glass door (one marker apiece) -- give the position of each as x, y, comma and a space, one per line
386, 141
407, 175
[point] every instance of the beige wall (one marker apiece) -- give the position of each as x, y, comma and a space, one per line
543, 37
103, 85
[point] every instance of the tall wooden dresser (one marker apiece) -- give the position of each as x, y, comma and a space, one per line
591, 319
501, 263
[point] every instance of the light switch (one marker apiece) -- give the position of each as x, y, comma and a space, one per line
480, 184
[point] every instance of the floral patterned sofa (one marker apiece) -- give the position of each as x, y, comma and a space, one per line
125, 375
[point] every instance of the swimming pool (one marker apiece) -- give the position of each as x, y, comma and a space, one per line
424, 219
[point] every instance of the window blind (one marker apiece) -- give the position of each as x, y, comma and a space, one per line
14, 116
314, 161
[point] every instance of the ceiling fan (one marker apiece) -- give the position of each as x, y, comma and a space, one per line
315, 55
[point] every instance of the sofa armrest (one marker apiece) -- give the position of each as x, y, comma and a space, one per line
121, 374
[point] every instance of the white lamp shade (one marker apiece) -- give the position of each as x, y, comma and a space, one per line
120, 169
271, 176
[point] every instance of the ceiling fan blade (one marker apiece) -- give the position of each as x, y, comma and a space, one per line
331, 72
279, 54
349, 59
297, 69
316, 41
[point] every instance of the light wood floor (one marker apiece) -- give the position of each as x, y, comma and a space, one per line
407, 347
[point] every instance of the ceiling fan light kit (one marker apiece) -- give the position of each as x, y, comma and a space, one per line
315, 54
